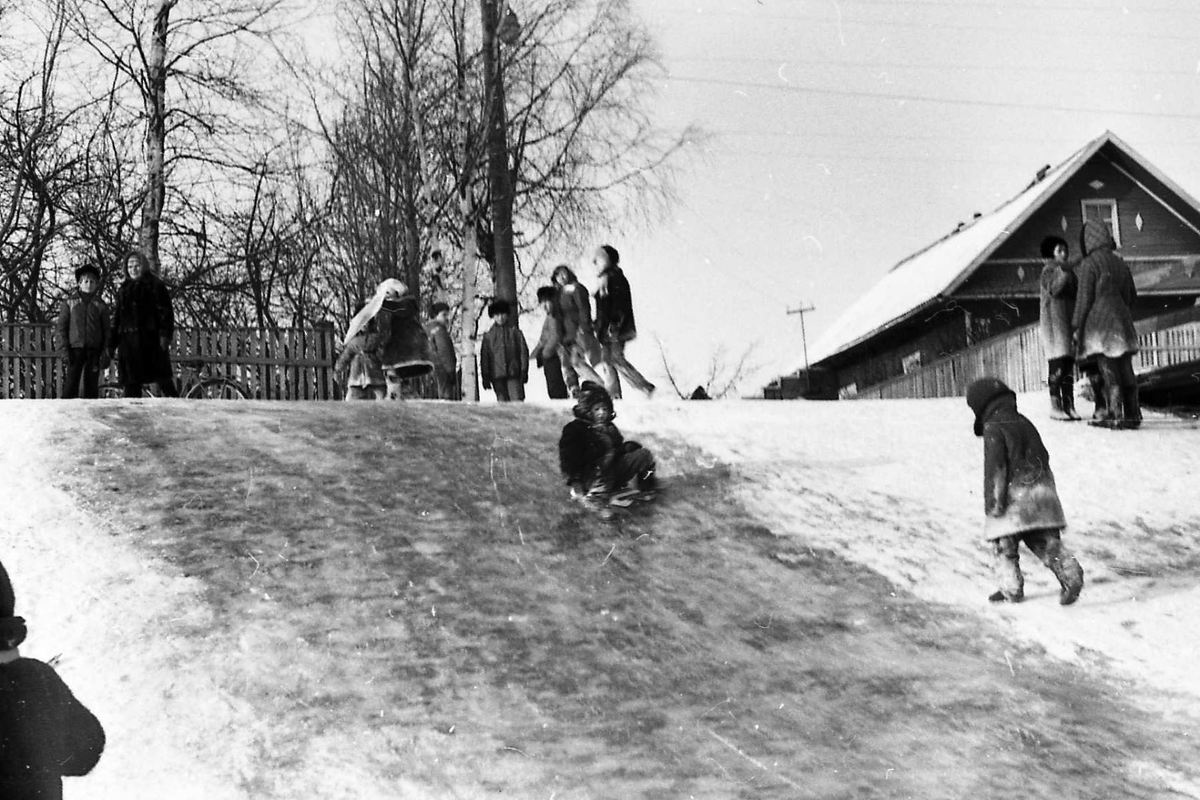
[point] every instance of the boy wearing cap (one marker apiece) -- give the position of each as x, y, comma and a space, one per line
45, 733
1020, 499
504, 356
83, 330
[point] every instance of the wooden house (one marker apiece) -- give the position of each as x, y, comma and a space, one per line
981, 280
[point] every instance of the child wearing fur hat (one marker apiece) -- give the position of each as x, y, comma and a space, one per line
45, 733
504, 356
1020, 499
83, 328
594, 457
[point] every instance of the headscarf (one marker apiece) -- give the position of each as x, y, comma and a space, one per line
372, 307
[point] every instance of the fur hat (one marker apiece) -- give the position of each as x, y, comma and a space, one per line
88, 269
1050, 243
12, 627
438, 308
591, 396
498, 307
982, 393
546, 294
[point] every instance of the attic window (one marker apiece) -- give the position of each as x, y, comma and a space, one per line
911, 362
1104, 211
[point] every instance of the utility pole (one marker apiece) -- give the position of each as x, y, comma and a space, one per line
802, 310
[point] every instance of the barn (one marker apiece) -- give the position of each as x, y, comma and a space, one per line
980, 281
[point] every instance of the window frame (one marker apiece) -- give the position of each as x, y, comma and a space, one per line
1100, 202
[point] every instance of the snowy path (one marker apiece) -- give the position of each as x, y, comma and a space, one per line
896, 485
87, 594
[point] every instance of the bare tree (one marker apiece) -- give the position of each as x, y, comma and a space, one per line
721, 374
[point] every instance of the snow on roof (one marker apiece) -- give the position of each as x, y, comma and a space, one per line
920, 279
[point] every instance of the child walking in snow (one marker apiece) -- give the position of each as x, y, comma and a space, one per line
358, 370
594, 457
1020, 499
83, 330
45, 733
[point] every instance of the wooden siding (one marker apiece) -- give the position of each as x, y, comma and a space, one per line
1017, 359
283, 364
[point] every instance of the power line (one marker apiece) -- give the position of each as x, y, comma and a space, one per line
935, 25
901, 5
917, 98
1053, 69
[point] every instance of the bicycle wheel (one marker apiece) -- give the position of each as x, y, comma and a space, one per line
216, 389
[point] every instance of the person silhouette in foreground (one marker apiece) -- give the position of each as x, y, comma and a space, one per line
1020, 499
594, 457
45, 733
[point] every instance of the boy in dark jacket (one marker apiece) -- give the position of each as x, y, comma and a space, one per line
594, 457
1020, 499
615, 325
504, 356
45, 733
83, 330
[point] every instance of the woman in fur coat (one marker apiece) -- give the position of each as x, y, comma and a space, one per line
1057, 294
143, 325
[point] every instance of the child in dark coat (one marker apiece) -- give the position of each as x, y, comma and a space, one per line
504, 356
594, 457
1020, 499
83, 330
45, 733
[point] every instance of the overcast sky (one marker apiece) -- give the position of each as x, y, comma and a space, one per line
846, 135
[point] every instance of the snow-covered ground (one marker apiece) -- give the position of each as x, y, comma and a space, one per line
897, 485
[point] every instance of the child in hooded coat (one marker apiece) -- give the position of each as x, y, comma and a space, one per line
45, 733
1020, 499
402, 345
358, 370
594, 457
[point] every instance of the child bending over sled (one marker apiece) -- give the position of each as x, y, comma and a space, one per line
1020, 499
595, 458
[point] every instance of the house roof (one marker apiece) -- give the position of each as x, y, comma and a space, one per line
922, 279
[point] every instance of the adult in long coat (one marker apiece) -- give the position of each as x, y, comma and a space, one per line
1057, 288
1103, 323
143, 326
45, 733
614, 322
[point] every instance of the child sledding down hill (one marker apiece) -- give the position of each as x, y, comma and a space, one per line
594, 456
1020, 499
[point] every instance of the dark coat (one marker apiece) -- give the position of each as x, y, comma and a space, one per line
575, 309
83, 321
503, 355
1057, 289
1019, 493
441, 347
1103, 316
45, 733
614, 307
142, 317
404, 347
586, 452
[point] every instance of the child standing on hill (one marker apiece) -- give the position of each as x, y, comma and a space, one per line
504, 356
45, 733
1020, 499
548, 352
358, 370
594, 457
83, 330
403, 347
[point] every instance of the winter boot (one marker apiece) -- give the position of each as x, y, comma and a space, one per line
1056, 404
1070, 578
1100, 411
1000, 597
1133, 408
1114, 408
1068, 400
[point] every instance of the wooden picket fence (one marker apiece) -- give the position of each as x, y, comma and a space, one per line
1017, 359
269, 364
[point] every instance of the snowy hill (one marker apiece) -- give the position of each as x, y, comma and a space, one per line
397, 600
